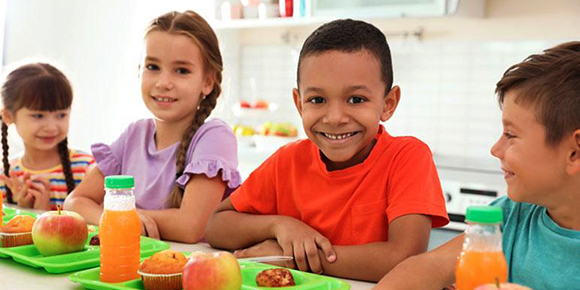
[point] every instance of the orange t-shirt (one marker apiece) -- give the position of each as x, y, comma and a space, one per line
352, 206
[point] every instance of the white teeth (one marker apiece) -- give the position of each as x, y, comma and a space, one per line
338, 137
164, 99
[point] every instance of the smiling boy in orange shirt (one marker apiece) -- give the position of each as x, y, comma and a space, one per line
350, 193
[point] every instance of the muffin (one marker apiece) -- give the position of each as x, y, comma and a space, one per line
278, 277
163, 270
17, 232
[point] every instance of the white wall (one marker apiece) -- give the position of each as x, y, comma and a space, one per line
98, 46
447, 77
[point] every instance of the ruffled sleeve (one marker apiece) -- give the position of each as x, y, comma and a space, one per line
213, 150
211, 167
110, 158
107, 163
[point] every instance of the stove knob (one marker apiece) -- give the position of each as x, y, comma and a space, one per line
447, 197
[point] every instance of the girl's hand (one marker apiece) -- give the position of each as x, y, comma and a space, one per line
19, 189
301, 241
148, 226
39, 188
266, 248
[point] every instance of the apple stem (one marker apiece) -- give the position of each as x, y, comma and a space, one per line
58, 208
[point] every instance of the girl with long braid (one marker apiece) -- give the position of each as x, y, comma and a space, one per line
183, 165
37, 98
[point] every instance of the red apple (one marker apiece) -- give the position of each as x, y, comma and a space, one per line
245, 105
212, 271
59, 232
502, 286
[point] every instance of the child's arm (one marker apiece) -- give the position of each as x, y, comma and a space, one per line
408, 236
433, 270
230, 229
87, 197
187, 223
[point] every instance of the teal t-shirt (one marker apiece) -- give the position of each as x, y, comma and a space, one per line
540, 254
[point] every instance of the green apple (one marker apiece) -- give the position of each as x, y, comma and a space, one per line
212, 271
59, 232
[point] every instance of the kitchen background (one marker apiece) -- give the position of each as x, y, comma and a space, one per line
447, 57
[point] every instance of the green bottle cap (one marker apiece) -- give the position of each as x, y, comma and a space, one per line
484, 214
119, 181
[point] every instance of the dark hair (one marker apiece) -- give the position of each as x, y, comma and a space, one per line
195, 27
42, 87
550, 83
347, 35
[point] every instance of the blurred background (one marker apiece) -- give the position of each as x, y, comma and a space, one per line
447, 55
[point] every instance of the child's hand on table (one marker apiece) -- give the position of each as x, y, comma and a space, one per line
266, 248
148, 226
301, 241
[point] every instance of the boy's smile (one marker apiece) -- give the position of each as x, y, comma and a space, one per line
534, 171
342, 101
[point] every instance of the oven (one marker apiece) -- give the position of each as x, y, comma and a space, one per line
464, 186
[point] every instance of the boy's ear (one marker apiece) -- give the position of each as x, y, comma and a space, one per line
297, 101
573, 167
391, 103
7, 117
573, 158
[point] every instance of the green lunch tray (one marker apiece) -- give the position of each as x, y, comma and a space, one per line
9, 213
88, 258
304, 281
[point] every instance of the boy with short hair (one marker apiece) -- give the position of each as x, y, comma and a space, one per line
350, 193
540, 155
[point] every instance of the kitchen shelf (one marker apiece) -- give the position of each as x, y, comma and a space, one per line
269, 22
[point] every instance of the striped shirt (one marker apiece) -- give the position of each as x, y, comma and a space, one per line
80, 161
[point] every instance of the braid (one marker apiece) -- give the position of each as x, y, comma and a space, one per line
66, 166
204, 110
5, 161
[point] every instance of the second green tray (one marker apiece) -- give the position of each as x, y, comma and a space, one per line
88, 258
304, 281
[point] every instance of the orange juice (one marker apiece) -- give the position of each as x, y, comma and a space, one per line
477, 268
481, 260
119, 232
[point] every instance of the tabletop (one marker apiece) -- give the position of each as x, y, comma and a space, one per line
14, 275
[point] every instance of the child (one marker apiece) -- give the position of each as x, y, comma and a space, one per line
37, 99
183, 166
350, 192
540, 155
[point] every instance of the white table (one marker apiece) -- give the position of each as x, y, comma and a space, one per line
17, 276
14, 275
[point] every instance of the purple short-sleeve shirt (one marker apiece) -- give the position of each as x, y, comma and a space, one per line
213, 148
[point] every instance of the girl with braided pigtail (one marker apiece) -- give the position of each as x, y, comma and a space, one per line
37, 98
183, 164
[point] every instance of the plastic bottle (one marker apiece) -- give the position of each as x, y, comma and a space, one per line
481, 260
119, 231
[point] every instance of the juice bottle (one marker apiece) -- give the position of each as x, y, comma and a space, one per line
119, 231
481, 260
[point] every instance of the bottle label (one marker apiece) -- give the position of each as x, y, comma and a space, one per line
117, 202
